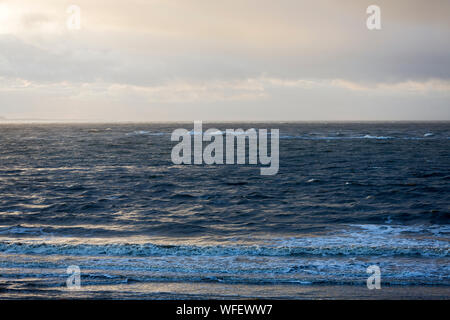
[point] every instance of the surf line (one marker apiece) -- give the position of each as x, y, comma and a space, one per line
235, 140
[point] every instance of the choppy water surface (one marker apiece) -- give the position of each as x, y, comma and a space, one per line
107, 198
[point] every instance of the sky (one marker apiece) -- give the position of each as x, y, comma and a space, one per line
234, 60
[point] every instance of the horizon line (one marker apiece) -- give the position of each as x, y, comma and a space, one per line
85, 121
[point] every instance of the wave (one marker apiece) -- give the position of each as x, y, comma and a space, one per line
360, 240
407, 255
426, 136
357, 137
145, 133
229, 269
92, 279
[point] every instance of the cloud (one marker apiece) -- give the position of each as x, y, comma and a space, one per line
242, 52
186, 91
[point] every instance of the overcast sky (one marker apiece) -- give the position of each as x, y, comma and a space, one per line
167, 60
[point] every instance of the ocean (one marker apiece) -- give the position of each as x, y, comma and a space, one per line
108, 199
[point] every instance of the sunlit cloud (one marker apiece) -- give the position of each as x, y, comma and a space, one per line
283, 55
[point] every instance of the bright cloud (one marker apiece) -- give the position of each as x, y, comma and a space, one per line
160, 58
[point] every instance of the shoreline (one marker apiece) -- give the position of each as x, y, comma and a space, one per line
216, 291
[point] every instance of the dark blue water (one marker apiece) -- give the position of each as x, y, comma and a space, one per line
107, 197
